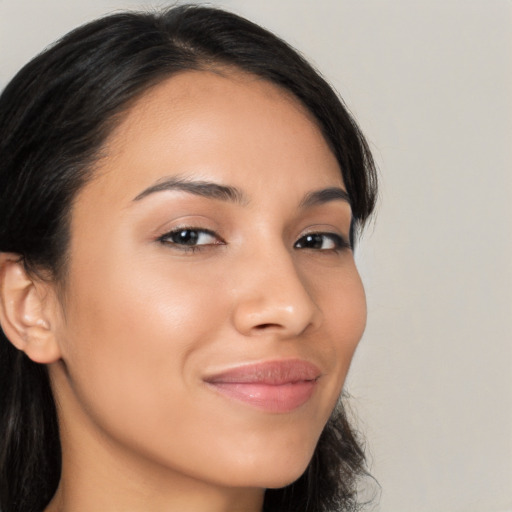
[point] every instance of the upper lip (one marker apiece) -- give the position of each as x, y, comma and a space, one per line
268, 372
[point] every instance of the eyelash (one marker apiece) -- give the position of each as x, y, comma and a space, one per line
339, 242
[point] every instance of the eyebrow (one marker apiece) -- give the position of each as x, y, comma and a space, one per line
232, 194
326, 195
198, 188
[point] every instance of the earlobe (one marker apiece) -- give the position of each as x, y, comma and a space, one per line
26, 312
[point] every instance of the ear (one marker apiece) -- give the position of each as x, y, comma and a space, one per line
27, 311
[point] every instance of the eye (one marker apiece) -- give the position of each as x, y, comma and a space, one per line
190, 238
322, 242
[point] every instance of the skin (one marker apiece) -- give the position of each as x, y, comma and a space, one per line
142, 320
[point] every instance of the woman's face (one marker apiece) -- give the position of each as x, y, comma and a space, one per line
212, 305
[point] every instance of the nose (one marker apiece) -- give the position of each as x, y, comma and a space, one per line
272, 297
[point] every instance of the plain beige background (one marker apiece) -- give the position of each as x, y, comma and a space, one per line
431, 84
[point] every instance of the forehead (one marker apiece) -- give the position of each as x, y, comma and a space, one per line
233, 128
209, 93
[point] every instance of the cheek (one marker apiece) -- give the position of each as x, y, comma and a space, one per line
344, 315
140, 303
129, 337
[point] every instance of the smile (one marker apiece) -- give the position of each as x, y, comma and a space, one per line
275, 386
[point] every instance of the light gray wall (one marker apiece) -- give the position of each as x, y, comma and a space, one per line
431, 84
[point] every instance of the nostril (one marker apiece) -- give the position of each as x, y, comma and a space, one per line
265, 326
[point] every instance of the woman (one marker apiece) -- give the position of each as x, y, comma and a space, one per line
180, 194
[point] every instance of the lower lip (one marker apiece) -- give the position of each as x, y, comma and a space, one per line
278, 398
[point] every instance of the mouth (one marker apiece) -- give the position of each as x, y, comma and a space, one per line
273, 386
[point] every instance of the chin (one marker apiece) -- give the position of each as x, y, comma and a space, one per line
274, 471
285, 479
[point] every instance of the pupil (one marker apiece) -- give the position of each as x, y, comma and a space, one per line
187, 237
314, 241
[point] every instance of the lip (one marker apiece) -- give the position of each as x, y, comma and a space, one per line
273, 386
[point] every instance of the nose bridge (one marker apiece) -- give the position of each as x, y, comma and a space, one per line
272, 295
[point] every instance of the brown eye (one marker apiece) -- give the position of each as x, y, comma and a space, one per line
190, 237
322, 242
185, 237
